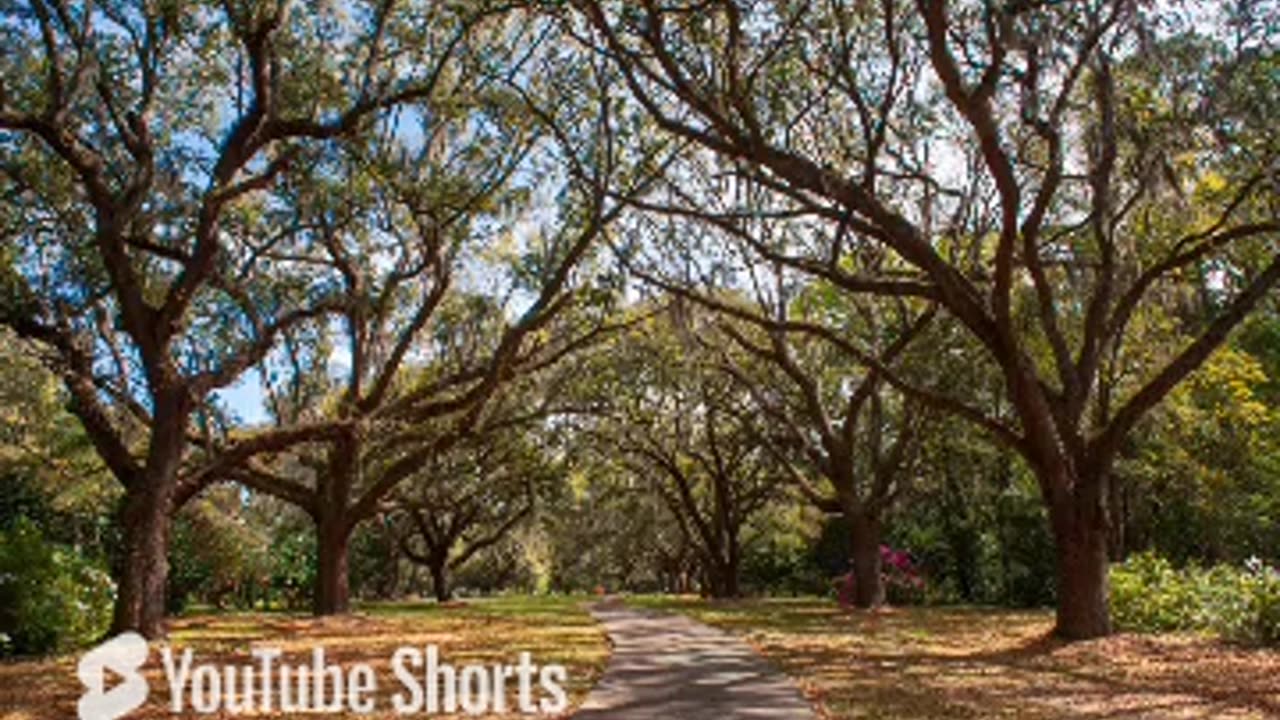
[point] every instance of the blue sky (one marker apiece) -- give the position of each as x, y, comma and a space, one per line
246, 399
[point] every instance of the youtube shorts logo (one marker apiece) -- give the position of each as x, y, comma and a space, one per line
122, 657
115, 686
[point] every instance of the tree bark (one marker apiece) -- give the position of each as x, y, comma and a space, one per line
332, 594
732, 588
334, 526
732, 570
864, 548
146, 519
1080, 536
440, 580
722, 580
144, 571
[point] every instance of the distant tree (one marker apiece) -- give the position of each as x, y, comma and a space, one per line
470, 499
614, 531
832, 418
1199, 483
218, 555
677, 422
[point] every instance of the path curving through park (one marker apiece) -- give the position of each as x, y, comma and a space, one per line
668, 667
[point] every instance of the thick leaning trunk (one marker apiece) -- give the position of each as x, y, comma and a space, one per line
332, 593
146, 522
864, 551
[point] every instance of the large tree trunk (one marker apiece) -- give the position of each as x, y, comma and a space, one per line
731, 584
146, 519
332, 595
722, 580
732, 571
334, 528
1080, 536
440, 580
864, 549
144, 571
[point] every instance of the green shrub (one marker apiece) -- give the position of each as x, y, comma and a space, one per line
1148, 594
1262, 613
1268, 612
781, 566
50, 598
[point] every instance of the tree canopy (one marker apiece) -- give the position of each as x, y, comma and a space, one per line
671, 295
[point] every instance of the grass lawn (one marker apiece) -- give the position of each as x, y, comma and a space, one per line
490, 631
924, 663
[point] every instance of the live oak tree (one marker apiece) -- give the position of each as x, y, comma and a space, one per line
611, 531
831, 418
465, 262
1029, 167
396, 220
471, 498
502, 282
802, 351
454, 392
143, 148
682, 426
426, 353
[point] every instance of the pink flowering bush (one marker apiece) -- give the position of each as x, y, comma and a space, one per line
903, 583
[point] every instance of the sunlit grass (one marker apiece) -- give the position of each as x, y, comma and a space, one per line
554, 630
910, 663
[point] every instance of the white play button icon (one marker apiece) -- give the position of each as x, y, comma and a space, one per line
113, 664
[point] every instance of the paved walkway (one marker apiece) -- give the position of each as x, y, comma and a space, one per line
668, 667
